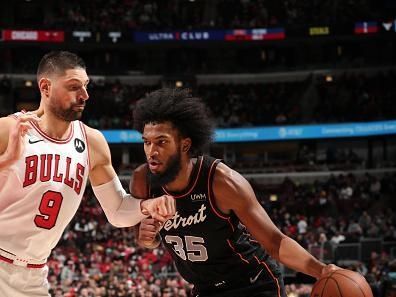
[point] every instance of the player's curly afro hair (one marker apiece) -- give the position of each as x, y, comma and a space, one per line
188, 114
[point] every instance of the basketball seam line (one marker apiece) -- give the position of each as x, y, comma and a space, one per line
348, 277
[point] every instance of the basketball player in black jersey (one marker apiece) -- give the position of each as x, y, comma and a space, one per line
220, 238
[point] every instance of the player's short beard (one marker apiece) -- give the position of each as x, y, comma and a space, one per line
170, 174
67, 115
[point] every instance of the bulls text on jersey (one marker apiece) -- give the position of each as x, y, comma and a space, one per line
47, 167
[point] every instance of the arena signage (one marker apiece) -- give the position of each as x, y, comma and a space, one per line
143, 37
315, 31
211, 35
389, 26
33, 35
345, 130
254, 34
366, 27
82, 35
114, 36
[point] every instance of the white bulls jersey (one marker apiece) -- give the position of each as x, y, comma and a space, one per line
41, 192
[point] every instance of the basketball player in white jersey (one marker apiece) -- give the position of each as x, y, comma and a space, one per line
46, 158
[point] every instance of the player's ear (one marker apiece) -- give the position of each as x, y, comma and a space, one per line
44, 85
186, 144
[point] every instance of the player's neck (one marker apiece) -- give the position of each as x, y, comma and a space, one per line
182, 180
54, 127
40, 110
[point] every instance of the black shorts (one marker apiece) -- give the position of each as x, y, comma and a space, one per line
250, 287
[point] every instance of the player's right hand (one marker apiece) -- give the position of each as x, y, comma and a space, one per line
148, 230
16, 135
161, 208
329, 268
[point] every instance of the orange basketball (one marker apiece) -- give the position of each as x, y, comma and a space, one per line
342, 283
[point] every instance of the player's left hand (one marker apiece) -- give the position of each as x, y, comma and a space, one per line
148, 230
16, 135
161, 208
328, 269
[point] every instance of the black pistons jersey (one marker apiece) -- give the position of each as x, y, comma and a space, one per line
210, 248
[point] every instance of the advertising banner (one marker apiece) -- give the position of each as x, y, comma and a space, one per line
277, 133
34, 35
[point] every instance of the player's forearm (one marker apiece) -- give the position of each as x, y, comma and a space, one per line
296, 257
4, 164
5, 161
127, 214
120, 208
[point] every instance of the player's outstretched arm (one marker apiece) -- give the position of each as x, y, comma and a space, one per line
12, 133
234, 193
120, 208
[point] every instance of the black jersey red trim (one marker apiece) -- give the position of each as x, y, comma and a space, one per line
191, 188
239, 254
271, 274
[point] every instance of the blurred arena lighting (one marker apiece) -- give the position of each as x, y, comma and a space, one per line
329, 78
273, 197
179, 84
28, 83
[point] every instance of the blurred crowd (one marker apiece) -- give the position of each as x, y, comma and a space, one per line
187, 14
345, 98
96, 259
348, 98
346, 205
